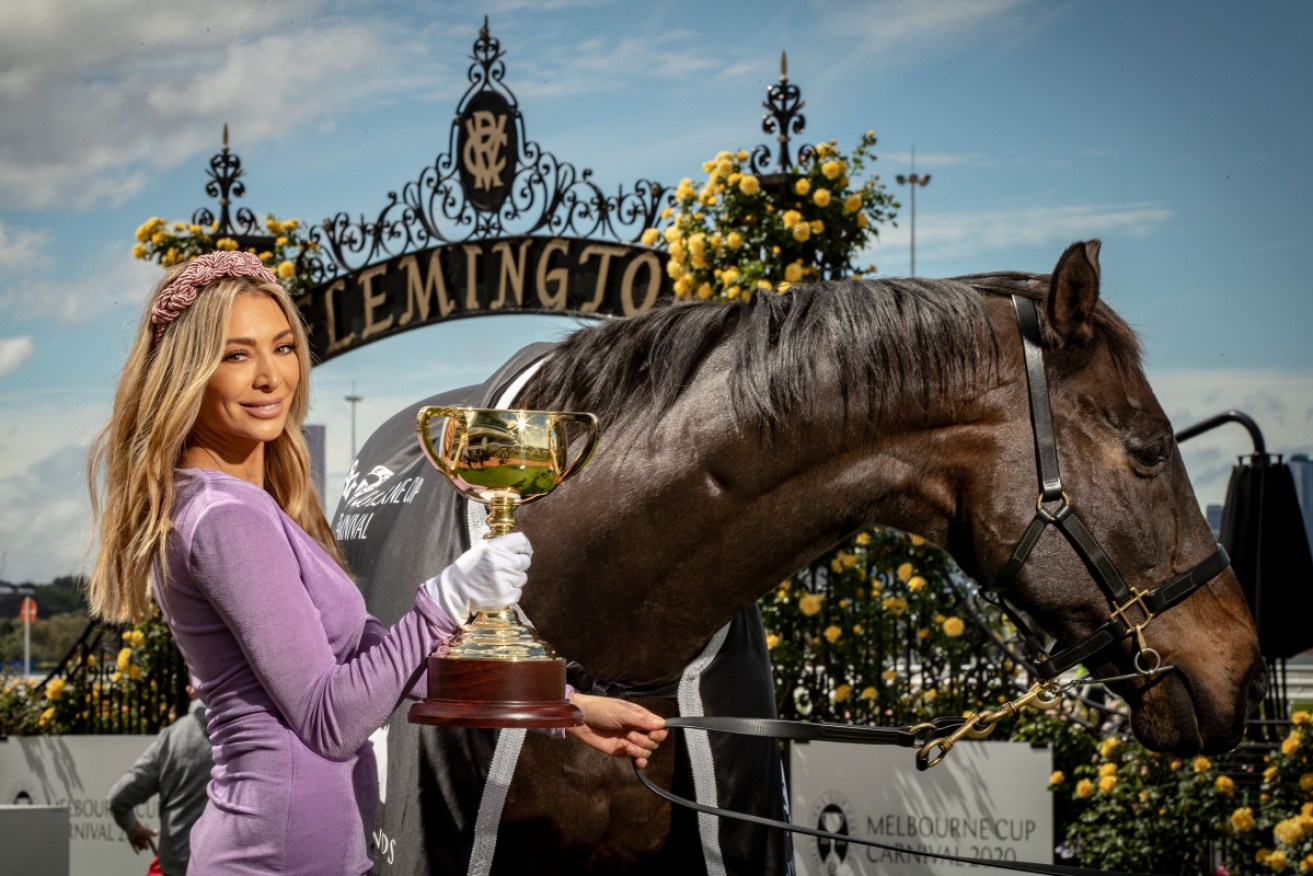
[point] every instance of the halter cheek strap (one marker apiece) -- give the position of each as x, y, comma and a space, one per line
1063, 517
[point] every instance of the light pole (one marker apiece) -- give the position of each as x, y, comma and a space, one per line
353, 399
913, 180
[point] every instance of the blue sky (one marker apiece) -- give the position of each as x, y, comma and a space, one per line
1178, 132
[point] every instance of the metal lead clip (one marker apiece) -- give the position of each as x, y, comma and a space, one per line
1042, 696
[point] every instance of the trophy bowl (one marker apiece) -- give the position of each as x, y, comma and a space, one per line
498, 673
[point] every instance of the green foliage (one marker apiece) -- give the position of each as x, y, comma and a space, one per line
1121, 807
119, 685
741, 233
873, 632
286, 252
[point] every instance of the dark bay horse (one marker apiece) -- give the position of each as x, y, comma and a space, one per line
738, 443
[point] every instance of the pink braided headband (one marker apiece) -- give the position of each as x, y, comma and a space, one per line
206, 269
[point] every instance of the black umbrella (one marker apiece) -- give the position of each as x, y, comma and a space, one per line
1263, 531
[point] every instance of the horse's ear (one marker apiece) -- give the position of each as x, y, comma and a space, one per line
1073, 292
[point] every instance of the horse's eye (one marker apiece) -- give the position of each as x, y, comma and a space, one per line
1151, 456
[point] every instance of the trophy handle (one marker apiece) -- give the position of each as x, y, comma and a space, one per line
422, 421
589, 421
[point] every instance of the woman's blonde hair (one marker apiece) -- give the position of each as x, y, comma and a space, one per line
131, 465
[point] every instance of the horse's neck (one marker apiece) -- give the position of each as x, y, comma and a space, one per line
673, 530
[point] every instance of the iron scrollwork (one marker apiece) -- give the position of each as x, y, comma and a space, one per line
492, 182
784, 119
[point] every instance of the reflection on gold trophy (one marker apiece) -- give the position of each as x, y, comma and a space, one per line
499, 673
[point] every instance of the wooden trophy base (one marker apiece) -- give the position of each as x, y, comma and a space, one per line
465, 692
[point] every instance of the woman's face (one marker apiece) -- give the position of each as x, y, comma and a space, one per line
247, 399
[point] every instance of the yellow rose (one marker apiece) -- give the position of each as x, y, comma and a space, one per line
266, 257
1269, 774
704, 291
810, 604
895, 605
802, 186
734, 240
862, 221
889, 675
842, 692
709, 166
853, 203
650, 236
1306, 864
905, 572
916, 540
916, 583
790, 218
1057, 778
801, 232
1291, 743
833, 634
684, 285
1107, 783
749, 185
225, 243
134, 671
1084, 788
771, 641
1243, 819
1289, 831
954, 627
793, 272
157, 237
47, 716
822, 197
817, 226
863, 538
1202, 764
1299, 717
55, 688
868, 693
1108, 769
124, 658
1306, 782
724, 167
733, 292
832, 169
1277, 860
1224, 786
139, 250
1108, 746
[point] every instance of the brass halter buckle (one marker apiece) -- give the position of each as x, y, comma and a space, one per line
1147, 660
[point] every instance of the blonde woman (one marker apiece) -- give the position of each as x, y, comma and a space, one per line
201, 491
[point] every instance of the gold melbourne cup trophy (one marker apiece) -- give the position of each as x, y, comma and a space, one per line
498, 673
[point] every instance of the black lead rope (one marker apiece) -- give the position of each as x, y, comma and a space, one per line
805, 730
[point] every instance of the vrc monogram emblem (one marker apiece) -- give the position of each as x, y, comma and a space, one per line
484, 155
488, 144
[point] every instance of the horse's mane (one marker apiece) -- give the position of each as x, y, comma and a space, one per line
883, 337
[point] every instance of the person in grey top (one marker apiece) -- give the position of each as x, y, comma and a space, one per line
177, 767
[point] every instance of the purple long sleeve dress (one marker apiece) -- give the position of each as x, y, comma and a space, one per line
295, 676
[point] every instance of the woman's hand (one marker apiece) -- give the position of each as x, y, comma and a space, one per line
618, 727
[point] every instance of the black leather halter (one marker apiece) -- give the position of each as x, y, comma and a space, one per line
1064, 518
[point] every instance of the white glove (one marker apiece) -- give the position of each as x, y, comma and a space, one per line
489, 575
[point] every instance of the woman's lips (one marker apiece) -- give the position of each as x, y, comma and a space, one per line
264, 410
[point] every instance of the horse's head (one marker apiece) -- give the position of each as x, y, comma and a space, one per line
1118, 491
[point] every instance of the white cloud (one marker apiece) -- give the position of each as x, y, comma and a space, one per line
13, 353
45, 518
896, 31
21, 250
144, 92
116, 279
966, 234
1280, 402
